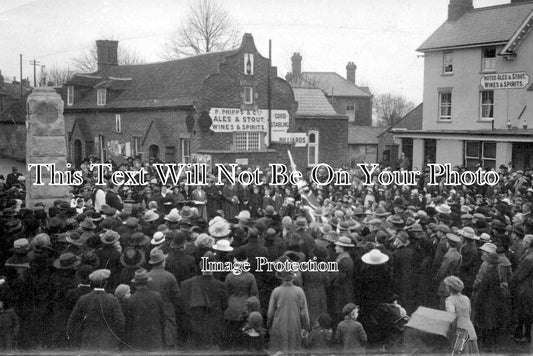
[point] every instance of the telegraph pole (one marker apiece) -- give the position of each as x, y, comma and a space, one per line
21, 75
34, 63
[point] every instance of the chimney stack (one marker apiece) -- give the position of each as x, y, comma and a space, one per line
457, 8
350, 72
107, 54
296, 65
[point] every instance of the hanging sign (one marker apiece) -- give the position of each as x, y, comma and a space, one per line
512, 80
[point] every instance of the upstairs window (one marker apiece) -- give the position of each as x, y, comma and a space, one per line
488, 63
70, 95
445, 106
487, 104
350, 107
248, 64
248, 95
312, 149
101, 97
118, 123
447, 63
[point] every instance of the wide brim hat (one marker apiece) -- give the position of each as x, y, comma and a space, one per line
453, 237
67, 261
488, 247
88, 224
74, 238
223, 245
381, 213
150, 216
468, 233
141, 276
157, 256
90, 258
374, 257
132, 257
243, 215
219, 229
344, 241
132, 222
109, 237
269, 211
204, 240
138, 239
396, 220
173, 216
443, 209
158, 238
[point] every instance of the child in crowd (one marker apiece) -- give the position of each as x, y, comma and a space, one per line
253, 334
122, 293
350, 332
321, 336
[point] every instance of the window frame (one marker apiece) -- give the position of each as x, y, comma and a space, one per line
118, 123
492, 67
482, 105
249, 89
445, 64
101, 99
70, 95
445, 118
313, 145
185, 147
251, 143
480, 156
137, 147
249, 56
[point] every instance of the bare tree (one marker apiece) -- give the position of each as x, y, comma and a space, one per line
389, 108
207, 27
58, 75
87, 61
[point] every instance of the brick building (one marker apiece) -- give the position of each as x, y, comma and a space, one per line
212, 107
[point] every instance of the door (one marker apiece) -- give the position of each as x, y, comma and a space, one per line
77, 153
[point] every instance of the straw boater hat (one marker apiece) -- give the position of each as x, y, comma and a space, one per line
243, 215
158, 238
219, 229
375, 257
67, 260
132, 257
223, 245
344, 241
443, 209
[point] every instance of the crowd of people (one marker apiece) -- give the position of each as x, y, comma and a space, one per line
119, 267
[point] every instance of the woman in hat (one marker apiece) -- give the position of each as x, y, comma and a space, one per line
131, 259
459, 304
240, 287
342, 282
287, 314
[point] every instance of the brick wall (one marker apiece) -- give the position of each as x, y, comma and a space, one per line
363, 113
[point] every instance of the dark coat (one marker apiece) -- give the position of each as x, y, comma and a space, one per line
113, 200
342, 284
91, 317
205, 300
181, 265
145, 320
110, 259
404, 269
488, 300
469, 267
522, 284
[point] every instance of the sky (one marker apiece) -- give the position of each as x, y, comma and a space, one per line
380, 37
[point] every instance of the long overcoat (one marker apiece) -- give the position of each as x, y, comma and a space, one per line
145, 320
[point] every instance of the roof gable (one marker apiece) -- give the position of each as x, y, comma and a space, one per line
332, 84
479, 27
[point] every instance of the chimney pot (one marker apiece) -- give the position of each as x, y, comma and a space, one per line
107, 54
296, 65
457, 8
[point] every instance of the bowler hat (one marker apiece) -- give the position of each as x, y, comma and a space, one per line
141, 277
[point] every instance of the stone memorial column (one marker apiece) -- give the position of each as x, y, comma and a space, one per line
45, 143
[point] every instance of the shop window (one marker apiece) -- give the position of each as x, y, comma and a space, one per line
101, 97
185, 150
488, 63
247, 141
118, 123
445, 105
312, 148
480, 152
248, 95
70, 95
248, 64
447, 63
487, 104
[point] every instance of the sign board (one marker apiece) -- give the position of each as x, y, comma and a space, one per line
512, 80
202, 159
298, 138
241, 161
237, 120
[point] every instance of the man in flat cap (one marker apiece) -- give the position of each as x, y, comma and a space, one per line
97, 317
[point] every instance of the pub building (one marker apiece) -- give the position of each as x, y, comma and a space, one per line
223, 107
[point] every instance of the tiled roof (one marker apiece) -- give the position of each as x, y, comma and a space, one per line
494, 24
171, 83
333, 84
312, 102
364, 135
412, 120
